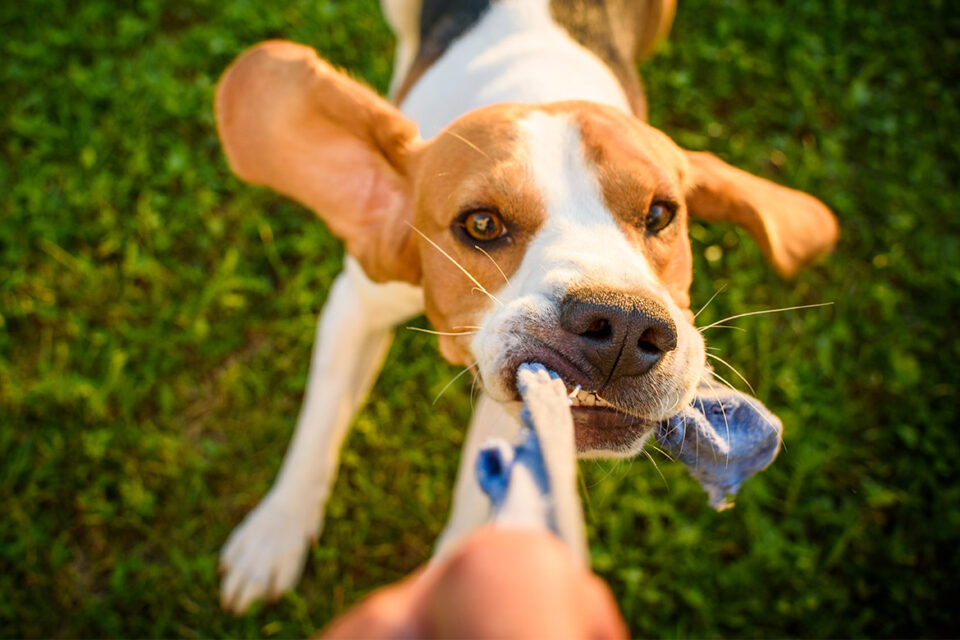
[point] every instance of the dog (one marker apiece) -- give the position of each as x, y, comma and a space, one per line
518, 198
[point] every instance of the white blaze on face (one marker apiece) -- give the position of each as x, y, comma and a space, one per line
580, 236
579, 244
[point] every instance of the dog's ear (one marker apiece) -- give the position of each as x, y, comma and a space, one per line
791, 227
290, 121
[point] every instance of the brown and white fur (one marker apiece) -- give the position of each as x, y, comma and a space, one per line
532, 112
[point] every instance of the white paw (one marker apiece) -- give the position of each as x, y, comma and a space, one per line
264, 556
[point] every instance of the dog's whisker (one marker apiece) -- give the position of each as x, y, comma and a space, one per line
452, 380
481, 250
716, 293
456, 264
726, 382
607, 474
732, 368
671, 431
478, 329
703, 410
721, 380
662, 452
473, 386
721, 326
657, 467
677, 404
775, 430
441, 333
696, 448
760, 413
585, 492
467, 142
683, 439
764, 311
723, 412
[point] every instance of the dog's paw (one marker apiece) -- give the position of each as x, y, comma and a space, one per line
264, 556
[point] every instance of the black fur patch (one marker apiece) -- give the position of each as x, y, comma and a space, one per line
613, 30
616, 31
441, 23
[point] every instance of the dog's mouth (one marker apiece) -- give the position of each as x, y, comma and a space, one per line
613, 415
600, 427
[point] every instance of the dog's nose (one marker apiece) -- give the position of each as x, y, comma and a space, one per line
619, 334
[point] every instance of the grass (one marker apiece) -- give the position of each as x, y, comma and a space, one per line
156, 318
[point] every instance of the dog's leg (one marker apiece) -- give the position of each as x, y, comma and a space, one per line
265, 554
471, 508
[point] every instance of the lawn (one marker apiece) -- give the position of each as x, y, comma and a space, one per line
156, 319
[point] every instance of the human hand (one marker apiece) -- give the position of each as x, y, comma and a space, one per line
501, 583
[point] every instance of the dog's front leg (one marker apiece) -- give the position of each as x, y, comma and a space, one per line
265, 554
471, 507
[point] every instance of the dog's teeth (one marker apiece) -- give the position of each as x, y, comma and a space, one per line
582, 398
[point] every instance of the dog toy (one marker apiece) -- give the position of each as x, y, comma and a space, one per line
723, 437
534, 482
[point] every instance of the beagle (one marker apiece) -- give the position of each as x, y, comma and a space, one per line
517, 197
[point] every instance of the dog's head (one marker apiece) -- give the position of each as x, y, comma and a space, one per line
552, 233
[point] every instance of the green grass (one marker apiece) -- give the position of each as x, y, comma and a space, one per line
156, 319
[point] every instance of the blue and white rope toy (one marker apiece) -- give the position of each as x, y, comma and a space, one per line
723, 437
534, 482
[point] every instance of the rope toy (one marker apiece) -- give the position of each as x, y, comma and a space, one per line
723, 437
534, 482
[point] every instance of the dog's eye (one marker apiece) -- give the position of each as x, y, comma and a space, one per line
659, 217
484, 226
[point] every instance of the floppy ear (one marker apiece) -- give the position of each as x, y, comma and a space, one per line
290, 121
791, 227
